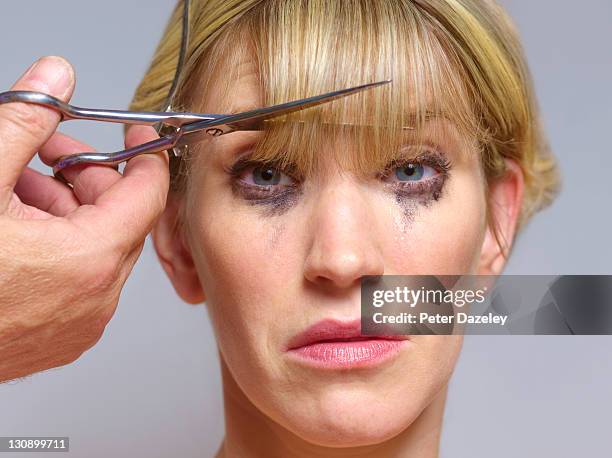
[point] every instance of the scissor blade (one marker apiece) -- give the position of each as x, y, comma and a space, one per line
252, 120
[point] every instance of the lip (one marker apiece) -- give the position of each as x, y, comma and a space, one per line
334, 344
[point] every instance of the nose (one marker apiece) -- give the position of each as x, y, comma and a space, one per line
343, 247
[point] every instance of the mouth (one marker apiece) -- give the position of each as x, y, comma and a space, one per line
333, 344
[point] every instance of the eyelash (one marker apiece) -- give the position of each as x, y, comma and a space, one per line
431, 158
277, 196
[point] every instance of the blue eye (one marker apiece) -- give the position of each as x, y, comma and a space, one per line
264, 175
412, 171
409, 172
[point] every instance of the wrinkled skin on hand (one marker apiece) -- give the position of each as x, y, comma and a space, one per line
65, 253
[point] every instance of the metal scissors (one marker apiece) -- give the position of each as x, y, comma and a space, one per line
176, 129
179, 128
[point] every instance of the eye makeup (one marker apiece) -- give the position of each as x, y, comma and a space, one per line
410, 194
274, 198
414, 180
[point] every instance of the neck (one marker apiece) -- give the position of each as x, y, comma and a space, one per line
249, 433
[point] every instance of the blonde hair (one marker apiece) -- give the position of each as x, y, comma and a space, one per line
460, 59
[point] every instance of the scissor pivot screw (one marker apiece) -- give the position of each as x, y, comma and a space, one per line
214, 132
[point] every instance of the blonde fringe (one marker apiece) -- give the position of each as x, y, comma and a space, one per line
466, 52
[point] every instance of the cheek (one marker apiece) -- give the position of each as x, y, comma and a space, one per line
236, 247
248, 272
444, 237
238, 250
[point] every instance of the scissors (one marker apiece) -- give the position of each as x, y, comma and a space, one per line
178, 129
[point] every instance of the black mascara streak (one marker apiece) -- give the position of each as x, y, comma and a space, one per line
420, 194
412, 195
273, 203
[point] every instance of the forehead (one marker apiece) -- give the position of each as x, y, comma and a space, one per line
234, 86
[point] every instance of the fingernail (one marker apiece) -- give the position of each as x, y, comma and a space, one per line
50, 74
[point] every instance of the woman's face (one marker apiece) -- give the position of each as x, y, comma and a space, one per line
273, 257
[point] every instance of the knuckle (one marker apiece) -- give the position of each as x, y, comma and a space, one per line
94, 334
89, 335
98, 330
95, 331
97, 274
105, 274
103, 317
92, 328
68, 358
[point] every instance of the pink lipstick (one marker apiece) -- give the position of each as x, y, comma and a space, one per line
334, 344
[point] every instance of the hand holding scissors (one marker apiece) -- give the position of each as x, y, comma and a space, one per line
66, 251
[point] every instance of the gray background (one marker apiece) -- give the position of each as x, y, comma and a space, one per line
151, 387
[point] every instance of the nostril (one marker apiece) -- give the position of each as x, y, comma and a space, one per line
335, 281
342, 271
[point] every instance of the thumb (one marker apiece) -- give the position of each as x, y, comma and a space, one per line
25, 127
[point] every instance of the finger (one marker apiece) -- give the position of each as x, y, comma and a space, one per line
130, 207
137, 135
58, 145
45, 193
88, 180
24, 127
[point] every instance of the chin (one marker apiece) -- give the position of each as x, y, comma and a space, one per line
345, 417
